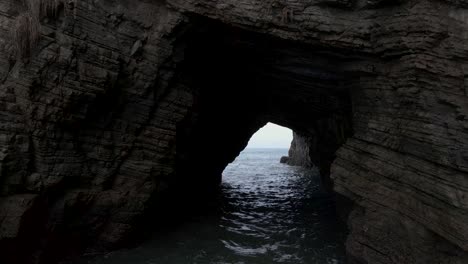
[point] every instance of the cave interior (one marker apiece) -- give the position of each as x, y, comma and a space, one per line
241, 81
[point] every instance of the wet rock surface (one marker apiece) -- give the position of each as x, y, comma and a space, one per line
120, 102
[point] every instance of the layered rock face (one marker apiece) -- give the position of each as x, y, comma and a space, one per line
119, 105
299, 153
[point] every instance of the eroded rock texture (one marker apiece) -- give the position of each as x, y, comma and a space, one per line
121, 104
299, 152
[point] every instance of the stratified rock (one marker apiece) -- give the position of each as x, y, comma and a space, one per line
299, 153
109, 112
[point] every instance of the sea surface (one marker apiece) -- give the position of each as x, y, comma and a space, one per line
269, 213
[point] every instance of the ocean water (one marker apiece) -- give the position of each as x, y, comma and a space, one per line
268, 213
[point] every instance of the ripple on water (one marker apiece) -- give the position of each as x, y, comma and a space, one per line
271, 213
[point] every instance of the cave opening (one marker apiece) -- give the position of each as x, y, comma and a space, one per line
234, 82
240, 81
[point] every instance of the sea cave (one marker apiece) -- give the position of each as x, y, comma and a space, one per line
122, 115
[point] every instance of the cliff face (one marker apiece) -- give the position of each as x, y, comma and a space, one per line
119, 102
299, 152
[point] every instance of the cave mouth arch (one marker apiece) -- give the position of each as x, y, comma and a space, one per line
240, 81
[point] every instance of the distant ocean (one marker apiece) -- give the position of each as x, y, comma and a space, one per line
271, 213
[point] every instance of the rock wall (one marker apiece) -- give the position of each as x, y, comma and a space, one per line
116, 98
88, 125
299, 153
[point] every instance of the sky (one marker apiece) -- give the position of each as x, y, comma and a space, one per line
271, 136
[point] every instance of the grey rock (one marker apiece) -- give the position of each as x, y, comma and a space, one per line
284, 159
121, 102
299, 152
